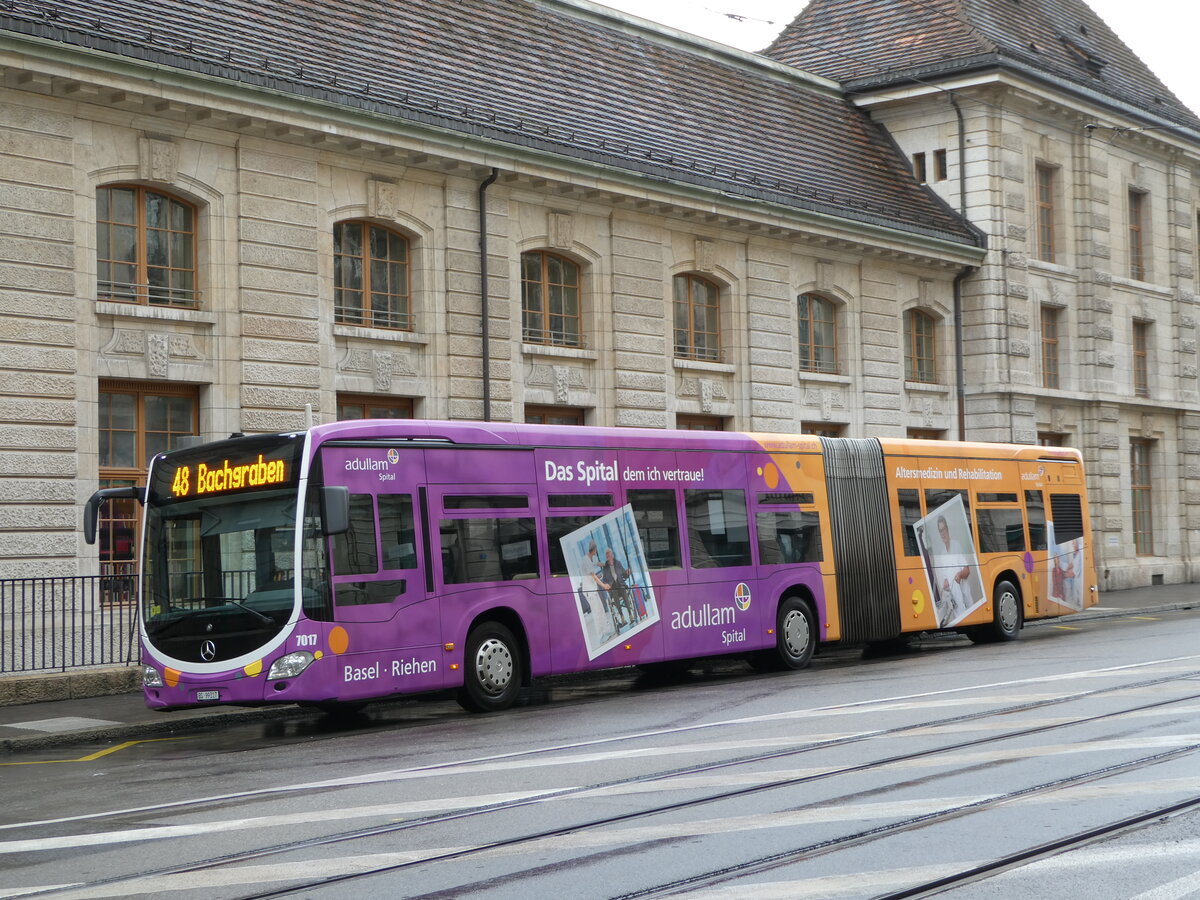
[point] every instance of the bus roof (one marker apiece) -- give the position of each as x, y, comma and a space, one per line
519, 434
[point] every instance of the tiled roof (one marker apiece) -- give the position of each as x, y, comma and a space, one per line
882, 41
536, 74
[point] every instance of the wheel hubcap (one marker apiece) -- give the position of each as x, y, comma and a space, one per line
1009, 611
795, 633
494, 666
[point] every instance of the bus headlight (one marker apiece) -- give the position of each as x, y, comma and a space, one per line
290, 666
150, 677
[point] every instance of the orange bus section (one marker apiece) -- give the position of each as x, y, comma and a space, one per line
988, 535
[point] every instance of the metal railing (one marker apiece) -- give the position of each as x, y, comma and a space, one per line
56, 624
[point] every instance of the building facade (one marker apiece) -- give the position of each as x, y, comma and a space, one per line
203, 233
1082, 168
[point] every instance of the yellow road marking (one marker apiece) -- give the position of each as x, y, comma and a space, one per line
1067, 627
1146, 618
90, 756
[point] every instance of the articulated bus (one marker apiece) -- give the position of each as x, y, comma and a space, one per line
359, 560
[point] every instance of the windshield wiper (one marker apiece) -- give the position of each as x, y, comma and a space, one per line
158, 629
208, 601
242, 606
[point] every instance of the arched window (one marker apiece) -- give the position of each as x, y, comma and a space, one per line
371, 277
818, 335
920, 347
697, 318
145, 247
550, 312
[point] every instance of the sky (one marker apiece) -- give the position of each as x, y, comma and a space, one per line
1161, 32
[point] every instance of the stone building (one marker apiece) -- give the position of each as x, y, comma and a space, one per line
216, 220
1083, 170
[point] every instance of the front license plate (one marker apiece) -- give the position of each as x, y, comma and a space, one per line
208, 695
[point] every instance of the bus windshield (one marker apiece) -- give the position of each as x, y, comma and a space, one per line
219, 577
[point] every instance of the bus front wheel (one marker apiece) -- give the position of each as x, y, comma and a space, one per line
1007, 616
795, 633
492, 669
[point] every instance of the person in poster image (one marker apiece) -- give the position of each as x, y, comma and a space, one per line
952, 569
598, 590
614, 577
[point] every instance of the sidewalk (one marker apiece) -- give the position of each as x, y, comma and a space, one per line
105, 705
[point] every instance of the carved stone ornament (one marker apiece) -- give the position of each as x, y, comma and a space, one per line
928, 408
560, 379
158, 160
706, 257
561, 227
707, 390
1058, 420
383, 200
158, 355
382, 361
827, 399
364, 361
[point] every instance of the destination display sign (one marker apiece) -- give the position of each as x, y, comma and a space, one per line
216, 478
238, 466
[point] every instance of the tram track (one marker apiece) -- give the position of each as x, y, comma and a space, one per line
235, 859
1042, 851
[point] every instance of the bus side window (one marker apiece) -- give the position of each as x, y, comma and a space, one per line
488, 549
658, 526
557, 528
788, 536
909, 502
1035, 509
354, 552
1000, 530
397, 535
718, 530
1067, 512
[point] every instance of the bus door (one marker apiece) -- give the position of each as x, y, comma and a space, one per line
946, 539
1000, 527
381, 595
716, 613
486, 553
1054, 503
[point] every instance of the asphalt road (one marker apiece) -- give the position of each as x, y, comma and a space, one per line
997, 771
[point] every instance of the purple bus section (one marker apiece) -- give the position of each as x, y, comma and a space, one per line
417, 642
703, 611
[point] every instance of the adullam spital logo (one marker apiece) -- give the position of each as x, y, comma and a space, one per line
741, 596
393, 455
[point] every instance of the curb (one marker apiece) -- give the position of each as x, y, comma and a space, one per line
1113, 613
46, 687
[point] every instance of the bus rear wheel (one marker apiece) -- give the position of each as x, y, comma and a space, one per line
493, 669
1007, 616
795, 634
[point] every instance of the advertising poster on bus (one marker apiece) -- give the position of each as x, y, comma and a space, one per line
613, 594
951, 564
1065, 562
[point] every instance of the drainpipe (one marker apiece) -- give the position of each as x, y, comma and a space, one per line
960, 387
960, 363
483, 294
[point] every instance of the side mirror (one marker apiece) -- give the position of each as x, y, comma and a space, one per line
335, 509
91, 512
